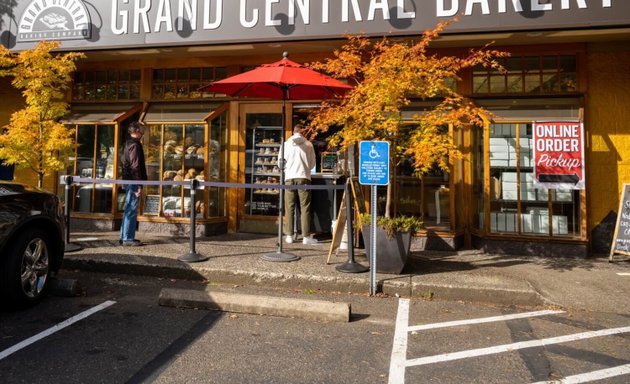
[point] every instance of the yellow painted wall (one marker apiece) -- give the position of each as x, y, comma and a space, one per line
608, 127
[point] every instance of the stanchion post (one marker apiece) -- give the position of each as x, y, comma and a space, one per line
68, 246
350, 266
192, 256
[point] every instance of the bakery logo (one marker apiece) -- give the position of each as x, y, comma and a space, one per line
54, 20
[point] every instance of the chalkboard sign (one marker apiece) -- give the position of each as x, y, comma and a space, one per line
329, 161
621, 239
152, 205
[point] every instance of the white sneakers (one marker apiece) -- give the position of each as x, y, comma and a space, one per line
306, 240
309, 241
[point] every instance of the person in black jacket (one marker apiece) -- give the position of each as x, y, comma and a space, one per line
133, 168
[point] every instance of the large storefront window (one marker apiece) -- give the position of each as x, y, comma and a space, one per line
94, 158
184, 83
515, 204
111, 85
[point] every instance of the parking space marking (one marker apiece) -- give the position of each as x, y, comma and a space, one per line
482, 320
592, 376
514, 346
399, 349
56, 328
399, 362
623, 274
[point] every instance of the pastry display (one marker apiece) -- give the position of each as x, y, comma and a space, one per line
169, 175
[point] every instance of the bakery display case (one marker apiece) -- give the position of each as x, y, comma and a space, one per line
262, 168
174, 152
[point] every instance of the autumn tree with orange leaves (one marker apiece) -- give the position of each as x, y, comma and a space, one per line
388, 75
34, 138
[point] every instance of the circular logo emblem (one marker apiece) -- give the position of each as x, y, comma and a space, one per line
54, 20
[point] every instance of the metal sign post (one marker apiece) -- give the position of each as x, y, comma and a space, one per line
374, 171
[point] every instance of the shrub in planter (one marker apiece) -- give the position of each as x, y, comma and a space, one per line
393, 240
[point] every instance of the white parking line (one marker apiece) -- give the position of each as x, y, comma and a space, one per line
399, 350
58, 327
623, 274
482, 320
592, 376
514, 346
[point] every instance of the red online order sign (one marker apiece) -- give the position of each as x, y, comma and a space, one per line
559, 154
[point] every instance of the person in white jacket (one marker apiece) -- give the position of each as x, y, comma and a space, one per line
299, 158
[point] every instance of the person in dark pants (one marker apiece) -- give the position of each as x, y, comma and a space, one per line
133, 168
299, 157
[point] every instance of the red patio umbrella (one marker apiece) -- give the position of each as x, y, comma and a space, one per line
283, 80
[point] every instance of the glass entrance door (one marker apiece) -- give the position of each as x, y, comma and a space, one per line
261, 131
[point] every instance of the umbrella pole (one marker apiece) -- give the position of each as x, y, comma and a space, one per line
280, 256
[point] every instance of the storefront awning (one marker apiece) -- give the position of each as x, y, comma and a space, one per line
100, 113
178, 112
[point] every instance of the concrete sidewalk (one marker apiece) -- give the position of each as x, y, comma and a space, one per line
570, 283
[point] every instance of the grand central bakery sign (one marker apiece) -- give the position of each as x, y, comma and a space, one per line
138, 23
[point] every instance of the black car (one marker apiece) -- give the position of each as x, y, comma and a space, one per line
31, 243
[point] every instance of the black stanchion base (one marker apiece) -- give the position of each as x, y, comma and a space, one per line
71, 247
351, 267
280, 257
192, 257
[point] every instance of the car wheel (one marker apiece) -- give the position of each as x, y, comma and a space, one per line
27, 268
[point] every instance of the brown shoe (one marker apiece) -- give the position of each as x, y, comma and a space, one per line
132, 243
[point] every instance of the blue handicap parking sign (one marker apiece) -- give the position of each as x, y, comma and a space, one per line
374, 162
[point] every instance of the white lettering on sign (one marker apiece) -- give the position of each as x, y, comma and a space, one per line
559, 161
147, 16
483, 6
401, 13
244, 22
164, 16
557, 137
378, 5
123, 16
303, 7
345, 11
515, 3
269, 15
218, 15
192, 16
141, 13
325, 11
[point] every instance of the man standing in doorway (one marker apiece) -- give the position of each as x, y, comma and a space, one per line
299, 158
133, 168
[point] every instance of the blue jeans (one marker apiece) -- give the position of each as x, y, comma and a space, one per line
129, 221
